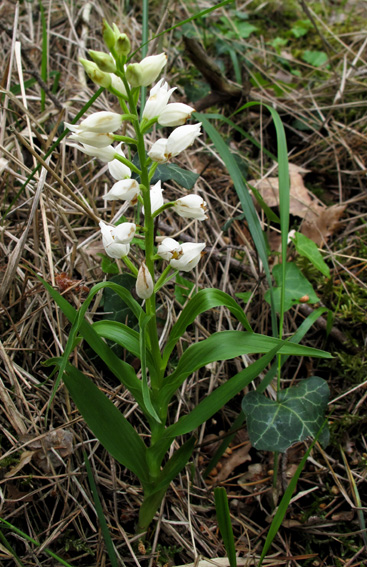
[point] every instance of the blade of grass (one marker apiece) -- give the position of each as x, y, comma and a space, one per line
44, 60
283, 506
225, 524
246, 202
31, 540
102, 520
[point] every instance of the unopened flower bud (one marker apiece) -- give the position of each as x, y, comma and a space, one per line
104, 61
95, 74
145, 73
109, 36
175, 114
122, 45
144, 283
191, 207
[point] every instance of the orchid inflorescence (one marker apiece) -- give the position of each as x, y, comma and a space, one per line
96, 134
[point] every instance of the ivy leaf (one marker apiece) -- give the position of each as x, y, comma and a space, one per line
308, 248
171, 171
296, 287
299, 413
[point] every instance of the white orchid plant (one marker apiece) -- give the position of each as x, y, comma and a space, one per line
155, 385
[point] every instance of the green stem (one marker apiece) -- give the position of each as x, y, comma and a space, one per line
150, 305
130, 265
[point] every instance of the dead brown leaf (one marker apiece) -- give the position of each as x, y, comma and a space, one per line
320, 224
44, 449
319, 221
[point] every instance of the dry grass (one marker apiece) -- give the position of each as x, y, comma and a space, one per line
50, 229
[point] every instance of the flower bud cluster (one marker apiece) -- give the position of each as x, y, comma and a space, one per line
96, 135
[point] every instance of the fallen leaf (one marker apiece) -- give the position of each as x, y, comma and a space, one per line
300, 200
44, 448
319, 225
319, 221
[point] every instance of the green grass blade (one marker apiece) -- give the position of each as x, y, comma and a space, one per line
102, 520
284, 503
225, 524
31, 540
7, 545
246, 202
44, 60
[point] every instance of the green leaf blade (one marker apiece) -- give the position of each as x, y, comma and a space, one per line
107, 423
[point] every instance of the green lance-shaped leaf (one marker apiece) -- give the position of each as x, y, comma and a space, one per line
296, 287
214, 402
225, 524
107, 423
123, 371
204, 300
297, 414
225, 345
308, 248
124, 336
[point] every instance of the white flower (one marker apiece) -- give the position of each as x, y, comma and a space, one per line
118, 84
104, 154
144, 283
117, 169
158, 151
92, 138
291, 235
169, 249
116, 240
181, 138
191, 207
156, 197
175, 114
157, 101
191, 254
124, 190
100, 122
145, 73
